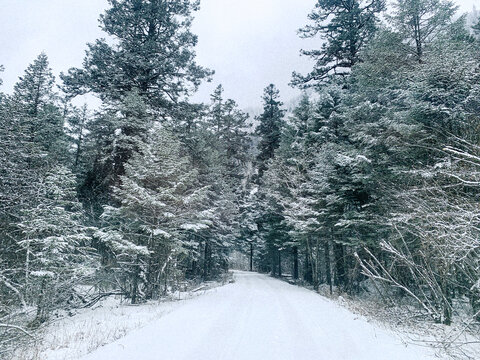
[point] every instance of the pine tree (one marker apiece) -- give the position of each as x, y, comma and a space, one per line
248, 229
35, 89
279, 192
35, 102
217, 109
271, 224
228, 133
421, 21
160, 204
346, 27
307, 211
16, 178
145, 75
153, 55
33, 142
77, 130
229, 127
55, 242
269, 127
310, 200
113, 136
200, 140
269, 220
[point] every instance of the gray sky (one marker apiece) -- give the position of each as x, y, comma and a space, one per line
249, 43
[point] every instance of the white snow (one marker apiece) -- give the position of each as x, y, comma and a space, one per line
194, 227
364, 158
42, 273
160, 232
73, 337
258, 317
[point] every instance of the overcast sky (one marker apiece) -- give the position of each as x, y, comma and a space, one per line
249, 43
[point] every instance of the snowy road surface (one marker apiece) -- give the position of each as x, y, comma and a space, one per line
259, 318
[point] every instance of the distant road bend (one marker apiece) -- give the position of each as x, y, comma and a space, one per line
259, 318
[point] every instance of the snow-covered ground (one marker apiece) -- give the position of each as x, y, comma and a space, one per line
70, 338
258, 317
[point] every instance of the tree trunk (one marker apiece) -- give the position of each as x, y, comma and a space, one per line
251, 256
273, 262
134, 287
279, 264
135, 275
165, 280
149, 280
195, 271
206, 262
418, 38
474, 296
41, 305
328, 270
339, 253
307, 276
295, 263
316, 267
447, 301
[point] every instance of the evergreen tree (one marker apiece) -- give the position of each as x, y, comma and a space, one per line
160, 203
55, 242
77, 130
270, 220
16, 178
438, 117
113, 136
229, 127
272, 228
278, 190
145, 75
228, 133
201, 142
269, 127
34, 90
153, 55
421, 21
43, 238
33, 142
346, 27
384, 63
248, 229
307, 210
35, 104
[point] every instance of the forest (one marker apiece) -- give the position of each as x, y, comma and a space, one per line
373, 176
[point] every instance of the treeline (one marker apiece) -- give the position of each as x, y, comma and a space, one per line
376, 173
135, 198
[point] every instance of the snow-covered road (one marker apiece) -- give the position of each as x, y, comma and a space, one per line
259, 318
